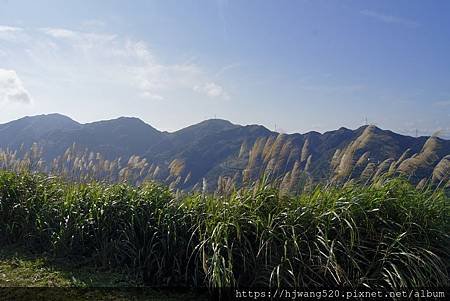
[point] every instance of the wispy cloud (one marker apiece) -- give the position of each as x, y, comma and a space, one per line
211, 89
12, 89
389, 19
226, 68
9, 28
59, 32
445, 103
10, 33
90, 57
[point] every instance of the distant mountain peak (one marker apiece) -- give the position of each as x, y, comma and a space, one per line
119, 119
207, 126
49, 117
217, 147
214, 122
129, 124
127, 118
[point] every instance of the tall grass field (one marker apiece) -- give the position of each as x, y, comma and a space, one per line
385, 235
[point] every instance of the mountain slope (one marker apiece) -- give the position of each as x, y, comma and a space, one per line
27, 130
112, 138
216, 153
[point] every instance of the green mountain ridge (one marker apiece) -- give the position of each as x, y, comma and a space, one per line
219, 154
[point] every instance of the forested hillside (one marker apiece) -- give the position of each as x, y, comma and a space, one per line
216, 154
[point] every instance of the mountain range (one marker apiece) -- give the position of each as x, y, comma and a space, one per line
218, 154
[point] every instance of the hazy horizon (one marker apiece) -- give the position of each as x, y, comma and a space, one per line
300, 66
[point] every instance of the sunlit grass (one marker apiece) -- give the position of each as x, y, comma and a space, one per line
386, 235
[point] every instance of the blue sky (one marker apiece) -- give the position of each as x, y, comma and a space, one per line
302, 65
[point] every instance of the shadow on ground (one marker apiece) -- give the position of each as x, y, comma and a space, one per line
27, 276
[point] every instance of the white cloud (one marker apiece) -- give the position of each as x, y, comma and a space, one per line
154, 78
83, 41
77, 36
90, 57
389, 19
149, 95
211, 89
59, 32
12, 89
10, 33
10, 29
